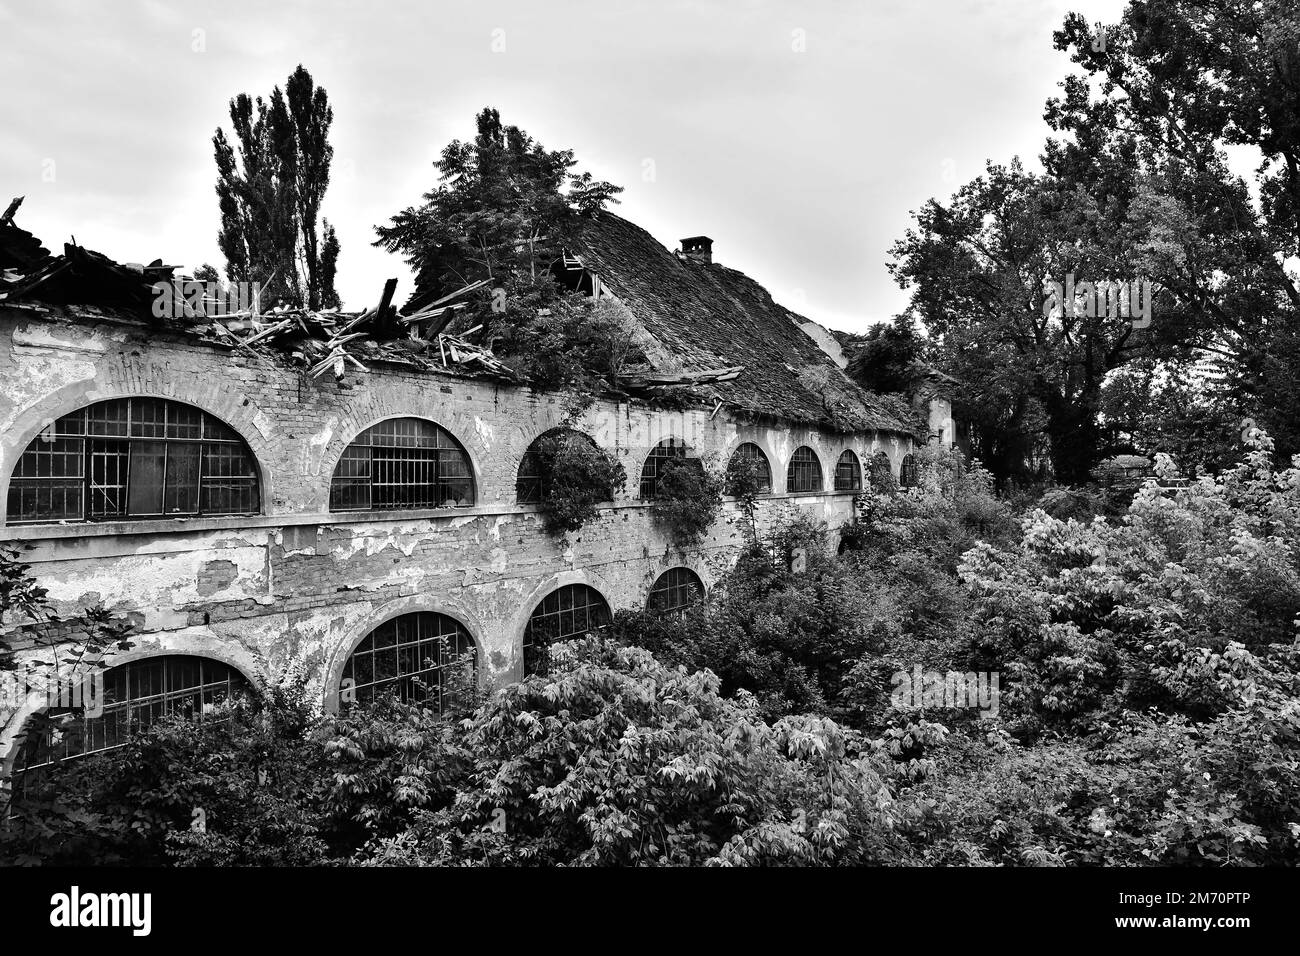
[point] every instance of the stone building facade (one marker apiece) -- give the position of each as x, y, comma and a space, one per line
298, 583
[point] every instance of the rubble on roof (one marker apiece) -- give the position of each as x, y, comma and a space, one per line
718, 337
333, 342
20, 251
87, 284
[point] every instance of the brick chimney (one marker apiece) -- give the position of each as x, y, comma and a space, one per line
698, 249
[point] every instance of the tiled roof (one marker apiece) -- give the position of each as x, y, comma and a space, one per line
706, 316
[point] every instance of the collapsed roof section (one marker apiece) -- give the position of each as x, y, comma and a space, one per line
83, 285
710, 334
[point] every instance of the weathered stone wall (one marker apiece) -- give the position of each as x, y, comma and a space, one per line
298, 582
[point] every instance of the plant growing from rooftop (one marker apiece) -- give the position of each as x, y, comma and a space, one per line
504, 211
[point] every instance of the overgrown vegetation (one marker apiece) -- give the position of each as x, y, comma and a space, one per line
687, 501
576, 477
504, 212
1147, 713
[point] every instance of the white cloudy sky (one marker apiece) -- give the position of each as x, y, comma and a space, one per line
802, 166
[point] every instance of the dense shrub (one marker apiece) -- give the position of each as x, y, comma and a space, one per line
688, 500
577, 477
617, 759
1096, 616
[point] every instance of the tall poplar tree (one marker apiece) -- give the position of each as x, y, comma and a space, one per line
271, 178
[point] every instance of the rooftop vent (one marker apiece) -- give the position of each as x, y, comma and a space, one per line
698, 249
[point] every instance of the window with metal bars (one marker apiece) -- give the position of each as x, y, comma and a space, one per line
677, 590
133, 458
805, 471
532, 482
910, 473
848, 472
410, 656
652, 470
402, 463
134, 696
568, 611
747, 453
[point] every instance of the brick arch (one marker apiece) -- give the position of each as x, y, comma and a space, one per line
233, 410
203, 644
518, 459
691, 562
634, 479
351, 425
386, 612
812, 443
528, 603
764, 442
858, 464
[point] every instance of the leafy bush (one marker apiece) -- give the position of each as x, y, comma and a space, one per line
688, 500
577, 476
787, 635
617, 759
743, 481
243, 790
1142, 613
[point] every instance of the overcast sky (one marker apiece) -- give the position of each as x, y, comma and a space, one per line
798, 136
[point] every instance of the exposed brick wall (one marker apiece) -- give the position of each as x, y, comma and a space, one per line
299, 582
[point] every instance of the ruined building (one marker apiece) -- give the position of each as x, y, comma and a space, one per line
361, 507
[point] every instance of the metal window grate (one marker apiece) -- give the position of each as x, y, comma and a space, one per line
409, 656
848, 472
909, 474
749, 452
135, 695
402, 463
805, 471
651, 471
568, 611
676, 590
133, 458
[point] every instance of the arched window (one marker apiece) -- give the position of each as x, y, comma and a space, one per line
568, 611
805, 471
882, 473
531, 484
652, 470
848, 472
676, 590
133, 458
402, 463
112, 704
410, 656
749, 456
910, 473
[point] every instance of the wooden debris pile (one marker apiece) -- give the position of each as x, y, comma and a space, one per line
79, 276
649, 381
332, 342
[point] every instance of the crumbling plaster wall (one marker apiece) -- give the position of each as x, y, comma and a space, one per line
298, 582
